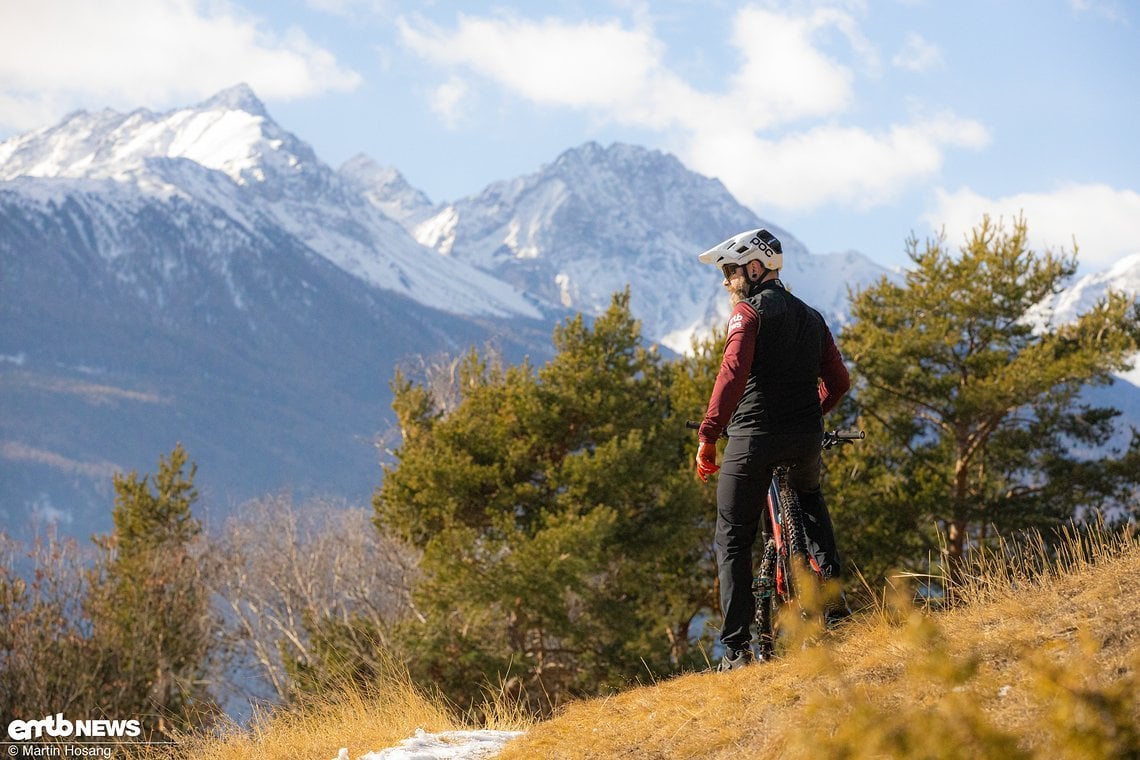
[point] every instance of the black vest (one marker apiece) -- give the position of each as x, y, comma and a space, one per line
782, 393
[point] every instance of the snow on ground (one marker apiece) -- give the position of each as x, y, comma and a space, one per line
449, 745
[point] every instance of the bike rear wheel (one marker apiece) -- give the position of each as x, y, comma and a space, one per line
797, 567
764, 589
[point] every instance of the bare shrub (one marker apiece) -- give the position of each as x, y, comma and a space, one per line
48, 661
279, 568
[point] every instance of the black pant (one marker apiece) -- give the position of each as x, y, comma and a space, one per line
741, 495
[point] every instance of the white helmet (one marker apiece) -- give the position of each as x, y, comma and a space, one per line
754, 245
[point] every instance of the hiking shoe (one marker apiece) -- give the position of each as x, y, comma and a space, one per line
836, 615
734, 659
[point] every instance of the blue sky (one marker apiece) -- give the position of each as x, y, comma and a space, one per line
851, 124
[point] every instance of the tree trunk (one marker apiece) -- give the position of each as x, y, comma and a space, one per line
678, 635
956, 526
955, 558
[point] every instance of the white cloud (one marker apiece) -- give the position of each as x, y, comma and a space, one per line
448, 100
786, 78
604, 65
353, 8
1104, 221
61, 54
22, 111
1107, 9
917, 54
774, 133
831, 164
549, 62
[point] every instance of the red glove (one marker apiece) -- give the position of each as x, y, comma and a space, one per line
706, 460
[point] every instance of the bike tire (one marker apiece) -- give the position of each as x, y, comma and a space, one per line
764, 589
798, 563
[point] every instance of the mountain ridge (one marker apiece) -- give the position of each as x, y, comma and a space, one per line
277, 180
208, 308
228, 289
634, 217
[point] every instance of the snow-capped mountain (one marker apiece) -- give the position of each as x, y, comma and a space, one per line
1121, 277
597, 220
200, 276
565, 238
275, 180
385, 188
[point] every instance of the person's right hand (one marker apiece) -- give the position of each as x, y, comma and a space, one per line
706, 460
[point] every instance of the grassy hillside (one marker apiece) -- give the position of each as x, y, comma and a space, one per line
1041, 661
361, 722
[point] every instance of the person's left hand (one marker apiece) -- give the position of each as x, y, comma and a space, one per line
706, 460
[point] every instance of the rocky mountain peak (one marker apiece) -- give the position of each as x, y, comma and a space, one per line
386, 188
229, 132
240, 97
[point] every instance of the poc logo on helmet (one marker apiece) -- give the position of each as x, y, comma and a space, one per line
762, 245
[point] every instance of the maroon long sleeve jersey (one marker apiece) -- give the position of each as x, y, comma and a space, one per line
739, 356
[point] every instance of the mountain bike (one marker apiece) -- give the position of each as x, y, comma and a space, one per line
785, 560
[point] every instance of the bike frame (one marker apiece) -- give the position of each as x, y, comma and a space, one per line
776, 529
774, 584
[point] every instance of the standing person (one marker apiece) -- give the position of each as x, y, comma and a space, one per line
780, 374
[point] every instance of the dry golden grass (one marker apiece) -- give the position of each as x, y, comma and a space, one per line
363, 722
1042, 660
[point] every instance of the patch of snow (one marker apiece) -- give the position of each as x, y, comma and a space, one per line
1073, 301
438, 232
1132, 375
448, 745
681, 341
563, 281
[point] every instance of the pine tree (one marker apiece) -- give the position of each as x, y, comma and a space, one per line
148, 604
564, 536
974, 405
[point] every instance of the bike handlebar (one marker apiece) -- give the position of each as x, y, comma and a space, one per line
836, 437
830, 437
